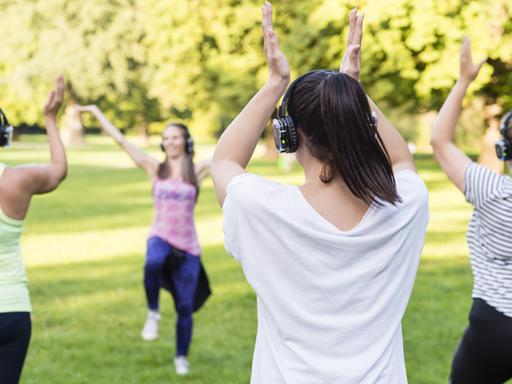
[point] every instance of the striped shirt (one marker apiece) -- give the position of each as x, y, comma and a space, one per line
490, 235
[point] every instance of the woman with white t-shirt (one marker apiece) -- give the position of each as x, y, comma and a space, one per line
333, 261
484, 355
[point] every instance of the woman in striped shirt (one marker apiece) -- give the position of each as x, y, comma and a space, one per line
484, 355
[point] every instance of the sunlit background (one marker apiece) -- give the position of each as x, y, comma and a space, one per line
148, 62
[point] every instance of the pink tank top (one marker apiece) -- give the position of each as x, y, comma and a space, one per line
174, 202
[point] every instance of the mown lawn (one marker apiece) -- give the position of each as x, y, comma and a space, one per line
84, 250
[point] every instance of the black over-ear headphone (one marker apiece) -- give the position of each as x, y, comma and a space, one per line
504, 145
189, 143
5, 130
286, 138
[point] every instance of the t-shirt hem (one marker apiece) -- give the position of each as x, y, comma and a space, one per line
16, 308
489, 301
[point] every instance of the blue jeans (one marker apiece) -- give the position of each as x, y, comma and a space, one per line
184, 282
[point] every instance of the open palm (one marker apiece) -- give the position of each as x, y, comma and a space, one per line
55, 99
351, 62
468, 70
276, 60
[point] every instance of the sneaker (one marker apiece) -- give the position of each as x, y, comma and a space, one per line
150, 330
181, 365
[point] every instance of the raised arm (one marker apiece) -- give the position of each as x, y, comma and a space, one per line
139, 157
395, 145
236, 145
45, 178
202, 170
451, 159
19, 184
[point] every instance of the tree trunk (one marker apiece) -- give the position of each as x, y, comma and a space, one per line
143, 131
73, 131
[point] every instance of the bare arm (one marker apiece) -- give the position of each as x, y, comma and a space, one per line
451, 159
202, 170
19, 184
399, 153
45, 178
139, 157
395, 145
237, 143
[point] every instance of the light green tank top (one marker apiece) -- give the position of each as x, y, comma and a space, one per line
14, 295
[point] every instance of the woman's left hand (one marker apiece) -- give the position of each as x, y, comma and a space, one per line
54, 102
468, 70
276, 60
351, 62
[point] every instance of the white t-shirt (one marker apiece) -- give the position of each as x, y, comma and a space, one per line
330, 302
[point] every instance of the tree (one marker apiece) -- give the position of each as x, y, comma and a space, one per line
96, 45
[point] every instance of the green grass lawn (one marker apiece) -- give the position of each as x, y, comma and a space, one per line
84, 250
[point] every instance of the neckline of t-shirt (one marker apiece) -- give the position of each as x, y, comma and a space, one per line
315, 213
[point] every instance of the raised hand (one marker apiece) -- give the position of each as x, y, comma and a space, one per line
468, 70
276, 60
106, 124
54, 102
87, 108
351, 62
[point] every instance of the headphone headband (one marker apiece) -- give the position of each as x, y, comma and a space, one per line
286, 138
505, 122
5, 130
504, 145
282, 111
3, 118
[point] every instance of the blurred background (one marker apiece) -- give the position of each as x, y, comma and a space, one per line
148, 62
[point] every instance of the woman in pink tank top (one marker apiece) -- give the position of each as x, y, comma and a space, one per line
172, 256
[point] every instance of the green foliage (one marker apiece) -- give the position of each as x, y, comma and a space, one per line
200, 61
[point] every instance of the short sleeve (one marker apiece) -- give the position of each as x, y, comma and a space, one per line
481, 184
242, 193
411, 188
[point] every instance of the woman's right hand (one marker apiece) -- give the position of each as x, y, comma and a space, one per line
278, 64
468, 70
106, 125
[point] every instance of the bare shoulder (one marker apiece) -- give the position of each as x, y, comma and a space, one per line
15, 193
26, 177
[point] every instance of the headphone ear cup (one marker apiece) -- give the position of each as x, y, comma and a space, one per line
189, 147
504, 145
373, 120
502, 150
293, 135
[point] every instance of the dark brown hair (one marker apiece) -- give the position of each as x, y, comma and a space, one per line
333, 118
187, 167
